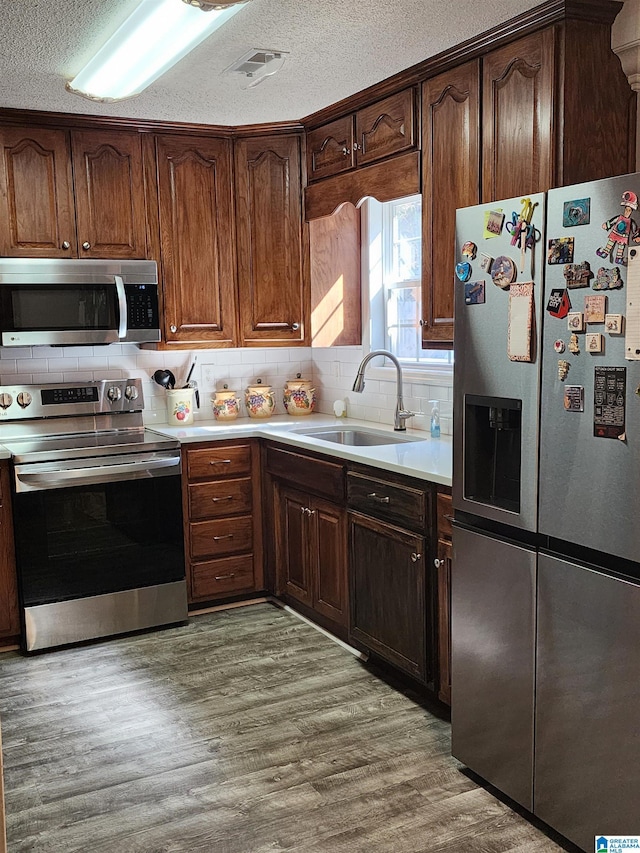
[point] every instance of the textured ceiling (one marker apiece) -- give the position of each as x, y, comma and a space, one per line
336, 48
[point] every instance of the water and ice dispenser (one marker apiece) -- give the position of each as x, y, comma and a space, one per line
492, 451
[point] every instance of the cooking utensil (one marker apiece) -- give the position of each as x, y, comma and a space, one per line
165, 378
193, 364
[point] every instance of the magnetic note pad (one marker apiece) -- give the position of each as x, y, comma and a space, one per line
520, 322
632, 319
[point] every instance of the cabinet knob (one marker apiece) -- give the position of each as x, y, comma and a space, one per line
66, 244
86, 245
173, 327
437, 563
345, 151
423, 322
295, 327
415, 557
357, 146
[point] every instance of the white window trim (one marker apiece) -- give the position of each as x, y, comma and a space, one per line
376, 338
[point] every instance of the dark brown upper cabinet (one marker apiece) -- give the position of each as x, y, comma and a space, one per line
380, 130
272, 297
451, 179
71, 194
196, 226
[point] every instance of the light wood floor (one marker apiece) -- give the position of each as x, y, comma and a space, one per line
246, 731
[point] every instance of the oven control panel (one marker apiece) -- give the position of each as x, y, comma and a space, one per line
71, 398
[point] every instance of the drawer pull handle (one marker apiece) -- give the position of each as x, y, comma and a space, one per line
218, 538
383, 499
225, 577
220, 462
415, 557
217, 500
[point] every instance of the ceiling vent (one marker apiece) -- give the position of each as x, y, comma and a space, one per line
257, 64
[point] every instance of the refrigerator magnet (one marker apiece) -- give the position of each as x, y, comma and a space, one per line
503, 271
613, 323
609, 394
474, 293
574, 345
574, 398
576, 212
559, 346
485, 262
563, 369
469, 250
493, 222
621, 228
559, 303
575, 321
577, 275
520, 322
560, 250
608, 279
593, 342
463, 271
595, 308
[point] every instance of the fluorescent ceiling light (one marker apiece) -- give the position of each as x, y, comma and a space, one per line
156, 36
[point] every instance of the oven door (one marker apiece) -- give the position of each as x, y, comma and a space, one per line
100, 552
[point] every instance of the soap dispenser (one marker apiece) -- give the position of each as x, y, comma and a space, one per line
435, 418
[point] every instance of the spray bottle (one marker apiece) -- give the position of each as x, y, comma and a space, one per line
435, 418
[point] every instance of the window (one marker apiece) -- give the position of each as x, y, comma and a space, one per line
393, 233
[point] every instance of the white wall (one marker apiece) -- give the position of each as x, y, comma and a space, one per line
332, 369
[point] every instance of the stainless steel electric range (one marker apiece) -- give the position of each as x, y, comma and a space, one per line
97, 512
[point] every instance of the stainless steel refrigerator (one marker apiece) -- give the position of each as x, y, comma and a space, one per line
546, 570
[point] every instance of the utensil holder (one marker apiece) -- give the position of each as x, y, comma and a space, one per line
180, 406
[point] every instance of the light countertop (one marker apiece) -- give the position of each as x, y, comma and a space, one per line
421, 457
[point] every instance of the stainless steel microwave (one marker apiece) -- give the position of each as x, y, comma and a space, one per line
72, 302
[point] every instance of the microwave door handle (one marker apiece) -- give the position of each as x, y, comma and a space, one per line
122, 307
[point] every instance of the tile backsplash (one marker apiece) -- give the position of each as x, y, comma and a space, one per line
332, 370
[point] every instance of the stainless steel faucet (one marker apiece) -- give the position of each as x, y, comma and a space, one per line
401, 414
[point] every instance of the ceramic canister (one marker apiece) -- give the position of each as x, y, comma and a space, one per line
225, 405
299, 397
260, 401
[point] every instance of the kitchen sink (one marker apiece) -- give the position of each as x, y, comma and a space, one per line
357, 437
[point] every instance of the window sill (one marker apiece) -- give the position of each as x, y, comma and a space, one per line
415, 375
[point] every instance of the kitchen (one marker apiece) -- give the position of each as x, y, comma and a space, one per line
276, 348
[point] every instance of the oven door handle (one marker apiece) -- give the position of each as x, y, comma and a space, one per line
122, 307
31, 478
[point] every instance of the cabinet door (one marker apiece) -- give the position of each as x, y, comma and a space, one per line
197, 238
388, 612
517, 105
330, 149
269, 210
9, 614
292, 545
328, 552
451, 179
109, 193
443, 581
37, 218
386, 128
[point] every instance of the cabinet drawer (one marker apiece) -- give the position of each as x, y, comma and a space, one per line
222, 536
212, 462
445, 511
220, 498
217, 578
325, 479
388, 501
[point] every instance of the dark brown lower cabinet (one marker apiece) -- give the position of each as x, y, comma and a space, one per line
311, 553
388, 592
